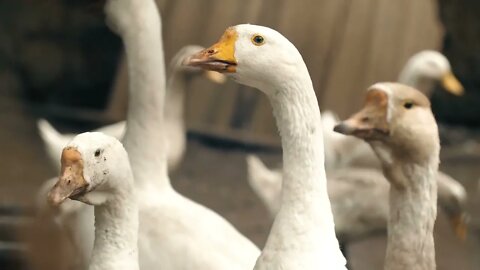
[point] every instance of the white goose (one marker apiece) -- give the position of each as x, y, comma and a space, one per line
170, 224
174, 109
76, 218
398, 123
302, 235
96, 170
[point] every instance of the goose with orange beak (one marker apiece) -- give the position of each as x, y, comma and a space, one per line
426, 68
399, 125
303, 235
96, 171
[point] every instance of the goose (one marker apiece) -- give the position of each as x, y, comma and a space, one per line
95, 170
76, 218
170, 224
302, 235
177, 83
397, 122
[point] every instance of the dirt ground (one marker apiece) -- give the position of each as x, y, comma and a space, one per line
215, 175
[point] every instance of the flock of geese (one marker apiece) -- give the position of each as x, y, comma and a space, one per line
138, 221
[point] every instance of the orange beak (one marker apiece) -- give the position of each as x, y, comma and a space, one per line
219, 57
71, 182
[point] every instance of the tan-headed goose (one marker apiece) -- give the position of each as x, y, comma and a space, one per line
397, 122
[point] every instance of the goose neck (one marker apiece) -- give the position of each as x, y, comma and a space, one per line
145, 134
305, 220
116, 233
412, 77
413, 208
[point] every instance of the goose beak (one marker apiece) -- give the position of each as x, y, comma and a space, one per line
71, 182
459, 223
220, 57
371, 121
451, 84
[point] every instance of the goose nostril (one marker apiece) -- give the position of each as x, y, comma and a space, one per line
211, 51
365, 119
69, 181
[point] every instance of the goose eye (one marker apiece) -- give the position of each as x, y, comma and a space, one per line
97, 153
258, 40
408, 105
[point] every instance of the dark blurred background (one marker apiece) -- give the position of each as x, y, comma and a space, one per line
59, 61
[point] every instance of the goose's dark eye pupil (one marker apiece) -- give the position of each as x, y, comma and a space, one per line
97, 152
258, 39
408, 105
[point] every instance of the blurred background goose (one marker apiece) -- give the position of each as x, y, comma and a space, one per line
180, 77
96, 171
302, 235
401, 129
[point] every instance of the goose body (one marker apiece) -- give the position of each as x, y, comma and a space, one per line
302, 235
401, 129
96, 170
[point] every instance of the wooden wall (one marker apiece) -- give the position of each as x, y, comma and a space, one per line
346, 44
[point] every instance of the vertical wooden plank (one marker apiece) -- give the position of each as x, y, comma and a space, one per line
388, 42
346, 80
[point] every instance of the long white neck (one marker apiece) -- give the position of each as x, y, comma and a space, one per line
305, 222
144, 136
116, 232
175, 97
413, 210
411, 76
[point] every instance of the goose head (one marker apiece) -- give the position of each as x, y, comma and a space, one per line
92, 165
397, 117
252, 55
430, 66
176, 64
